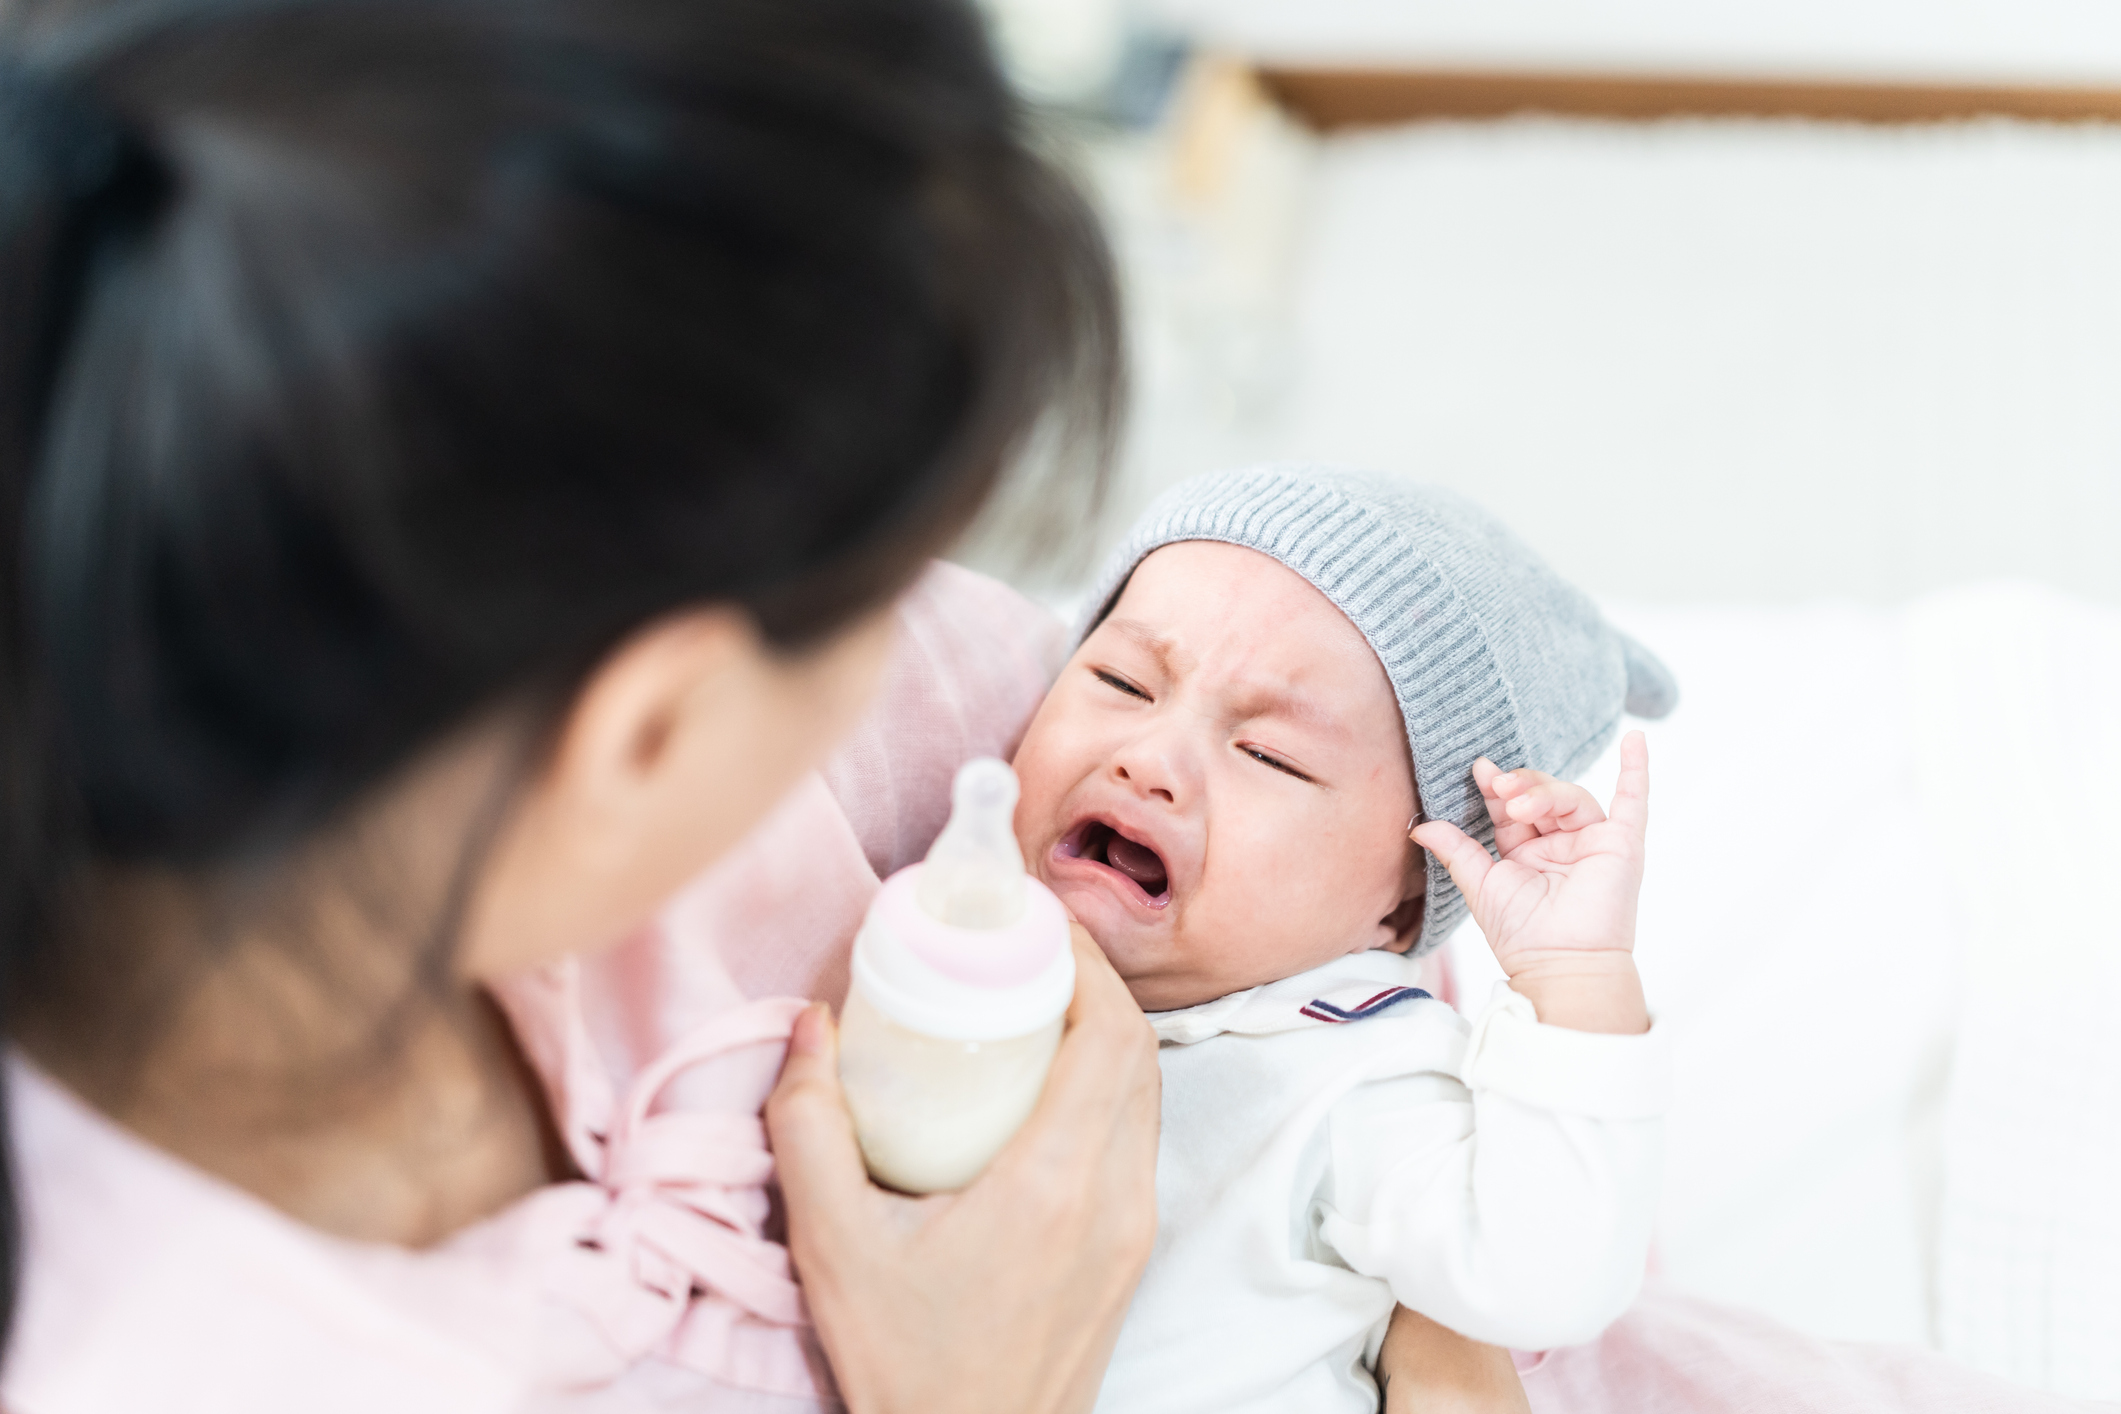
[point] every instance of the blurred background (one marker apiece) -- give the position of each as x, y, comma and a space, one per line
1726, 344
1792, 332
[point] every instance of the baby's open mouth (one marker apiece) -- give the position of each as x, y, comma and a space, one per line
1099, 843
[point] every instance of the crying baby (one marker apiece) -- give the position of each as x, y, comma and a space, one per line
1308, 703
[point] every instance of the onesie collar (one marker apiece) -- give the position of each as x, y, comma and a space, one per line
1347, 989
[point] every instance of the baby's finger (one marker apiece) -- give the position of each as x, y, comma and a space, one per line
1536, 798
1461, 854
1509, 831
1631, 794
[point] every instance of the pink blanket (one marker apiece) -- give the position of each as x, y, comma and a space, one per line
1675, 1354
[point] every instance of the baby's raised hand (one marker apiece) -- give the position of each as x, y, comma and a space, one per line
1559, 906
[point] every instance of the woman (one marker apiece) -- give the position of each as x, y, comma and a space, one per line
456, 459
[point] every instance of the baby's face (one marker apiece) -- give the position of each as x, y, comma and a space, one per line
1218, 787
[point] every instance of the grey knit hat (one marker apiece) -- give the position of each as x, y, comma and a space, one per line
1490, 652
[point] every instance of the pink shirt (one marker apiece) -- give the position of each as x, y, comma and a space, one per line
655, 1285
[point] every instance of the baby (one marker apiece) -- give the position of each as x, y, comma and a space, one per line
1261, 783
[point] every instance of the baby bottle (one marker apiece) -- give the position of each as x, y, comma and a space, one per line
962, 972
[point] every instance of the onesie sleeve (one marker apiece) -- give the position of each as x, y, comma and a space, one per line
1511, 1196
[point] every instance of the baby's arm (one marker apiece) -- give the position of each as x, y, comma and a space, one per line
1559, 906
1504, 1185
1425, 1368
1513, 1199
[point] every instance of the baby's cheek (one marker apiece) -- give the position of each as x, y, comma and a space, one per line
1260, 906
1040, 789
1340, 888
1222, 942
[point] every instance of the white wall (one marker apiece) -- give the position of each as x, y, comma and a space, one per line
1727, 361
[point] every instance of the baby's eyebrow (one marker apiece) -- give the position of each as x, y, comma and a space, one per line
1251, 702
1168, 655
1256, 702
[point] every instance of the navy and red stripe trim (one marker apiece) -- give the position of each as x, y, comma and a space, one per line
1320, 1009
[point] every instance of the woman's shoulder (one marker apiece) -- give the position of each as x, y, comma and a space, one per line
155, 1285
973, 662
139, 1267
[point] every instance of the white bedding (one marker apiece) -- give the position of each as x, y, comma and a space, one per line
1879, 918
2018, 716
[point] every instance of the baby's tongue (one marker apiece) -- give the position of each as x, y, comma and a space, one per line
1137, 862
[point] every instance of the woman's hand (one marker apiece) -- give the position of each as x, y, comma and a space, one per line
1426, 1369
1559, 906
1009, 1295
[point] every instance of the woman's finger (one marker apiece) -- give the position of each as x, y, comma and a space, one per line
812, 1134
1104, 1077
1426, 1368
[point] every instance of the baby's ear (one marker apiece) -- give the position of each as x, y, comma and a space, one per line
1403, 923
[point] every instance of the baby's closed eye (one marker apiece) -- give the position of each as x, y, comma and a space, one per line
1265, 760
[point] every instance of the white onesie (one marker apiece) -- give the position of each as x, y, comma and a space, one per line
1338, 1141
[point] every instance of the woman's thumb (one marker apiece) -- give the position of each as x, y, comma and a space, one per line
807, 1121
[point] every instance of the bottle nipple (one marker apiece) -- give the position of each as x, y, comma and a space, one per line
974, 877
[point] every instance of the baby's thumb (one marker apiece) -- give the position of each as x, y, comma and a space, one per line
1460, 852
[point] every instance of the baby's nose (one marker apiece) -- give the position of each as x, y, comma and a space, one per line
1143, 783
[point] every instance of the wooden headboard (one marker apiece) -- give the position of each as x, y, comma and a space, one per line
1333, 98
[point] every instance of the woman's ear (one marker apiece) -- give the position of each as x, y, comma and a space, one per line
686, 733
641, 712
623, 721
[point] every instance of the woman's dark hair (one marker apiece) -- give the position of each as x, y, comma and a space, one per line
366, 365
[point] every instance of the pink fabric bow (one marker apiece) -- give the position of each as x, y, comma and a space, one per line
669, 1254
